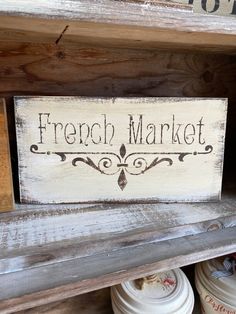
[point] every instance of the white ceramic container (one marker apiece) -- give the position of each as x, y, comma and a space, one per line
217, 295
170, 294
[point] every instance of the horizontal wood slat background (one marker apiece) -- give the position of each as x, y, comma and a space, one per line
85, 70
50, 69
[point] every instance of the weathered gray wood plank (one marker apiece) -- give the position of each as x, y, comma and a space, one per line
31, 257
92, 246
31, 226
41, 285
50, 252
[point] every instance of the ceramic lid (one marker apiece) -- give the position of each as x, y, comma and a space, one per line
213, 276
170, 293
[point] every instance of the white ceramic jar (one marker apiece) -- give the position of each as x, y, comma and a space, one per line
170, 294
217, 292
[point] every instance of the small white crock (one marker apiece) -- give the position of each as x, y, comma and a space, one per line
171, 294
217, 295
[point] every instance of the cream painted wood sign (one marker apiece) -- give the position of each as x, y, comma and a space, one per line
79, 149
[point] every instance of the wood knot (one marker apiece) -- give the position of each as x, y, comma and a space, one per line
207, 76
215, 226
60, 55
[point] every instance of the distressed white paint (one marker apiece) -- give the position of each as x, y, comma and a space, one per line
48, 173
119, 12
34, 237
40, 226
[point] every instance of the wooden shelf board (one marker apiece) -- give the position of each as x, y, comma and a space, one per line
123, 13
58, 251
96, 302
116, 23
42, 285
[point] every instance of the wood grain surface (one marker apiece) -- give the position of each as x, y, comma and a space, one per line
85, 70
119, 23
35, 227
6, 188
119, 12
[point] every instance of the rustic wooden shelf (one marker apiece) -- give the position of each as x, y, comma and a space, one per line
50, 252
121, 23
110, 48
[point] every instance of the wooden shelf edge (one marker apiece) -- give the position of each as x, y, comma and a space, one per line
116, 23
41, 285
95, 302
123, 13
39, 235
50, 252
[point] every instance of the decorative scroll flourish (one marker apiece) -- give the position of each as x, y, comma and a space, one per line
110, 163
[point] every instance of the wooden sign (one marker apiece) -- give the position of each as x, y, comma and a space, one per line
6, 188
217, 7
78, 149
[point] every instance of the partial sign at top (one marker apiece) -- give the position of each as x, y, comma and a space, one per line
78, 149
217, 7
